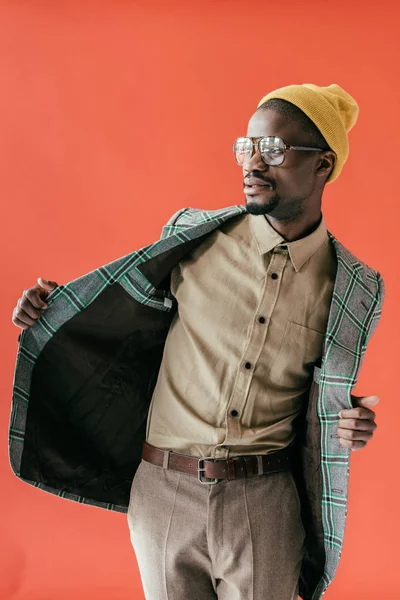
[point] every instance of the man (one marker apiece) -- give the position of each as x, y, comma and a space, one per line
231, 346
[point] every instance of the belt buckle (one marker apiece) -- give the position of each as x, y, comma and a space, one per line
201, 469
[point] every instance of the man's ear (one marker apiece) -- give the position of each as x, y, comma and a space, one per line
326, 163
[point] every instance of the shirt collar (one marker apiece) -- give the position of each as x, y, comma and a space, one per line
266, 238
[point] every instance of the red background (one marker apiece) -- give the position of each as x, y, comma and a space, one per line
112, 116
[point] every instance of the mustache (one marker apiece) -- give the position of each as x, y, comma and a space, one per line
261, 179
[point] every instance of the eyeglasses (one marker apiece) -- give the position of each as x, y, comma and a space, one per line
272, 150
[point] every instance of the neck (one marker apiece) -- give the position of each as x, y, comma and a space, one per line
298, 228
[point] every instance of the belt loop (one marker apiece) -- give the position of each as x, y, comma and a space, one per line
260, 464
166, 459
249, 462
230, 465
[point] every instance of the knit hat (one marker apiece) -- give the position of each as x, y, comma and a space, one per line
332, 110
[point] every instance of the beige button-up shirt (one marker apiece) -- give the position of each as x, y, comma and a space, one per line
238, 359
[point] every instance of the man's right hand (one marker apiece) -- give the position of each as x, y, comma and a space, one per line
31, 305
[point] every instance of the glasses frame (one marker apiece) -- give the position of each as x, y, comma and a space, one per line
265, 137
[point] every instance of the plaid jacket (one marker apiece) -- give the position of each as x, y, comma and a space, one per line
86, 371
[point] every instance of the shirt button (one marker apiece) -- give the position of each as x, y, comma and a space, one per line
274, 276
247, 365
261, 320
234, 413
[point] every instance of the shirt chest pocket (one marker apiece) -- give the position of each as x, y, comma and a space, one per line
293, 365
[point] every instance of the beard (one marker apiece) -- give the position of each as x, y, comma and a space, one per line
258, 208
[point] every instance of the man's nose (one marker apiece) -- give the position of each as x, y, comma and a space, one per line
255, 163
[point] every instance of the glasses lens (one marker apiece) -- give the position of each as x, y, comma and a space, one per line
272, 150
243, 150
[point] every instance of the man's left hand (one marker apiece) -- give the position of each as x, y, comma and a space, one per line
357, 425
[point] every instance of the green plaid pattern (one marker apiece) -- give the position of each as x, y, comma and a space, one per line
354, 314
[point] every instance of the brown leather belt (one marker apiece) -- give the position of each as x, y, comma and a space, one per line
211, 470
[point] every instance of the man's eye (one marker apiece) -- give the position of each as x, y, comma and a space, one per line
273, 151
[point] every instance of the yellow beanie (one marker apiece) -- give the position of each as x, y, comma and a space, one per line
332, 110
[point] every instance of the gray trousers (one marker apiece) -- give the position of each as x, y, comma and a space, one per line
236, 540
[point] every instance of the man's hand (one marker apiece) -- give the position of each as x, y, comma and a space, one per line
357, 425
31, 305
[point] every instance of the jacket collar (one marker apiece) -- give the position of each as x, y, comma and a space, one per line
203, 222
